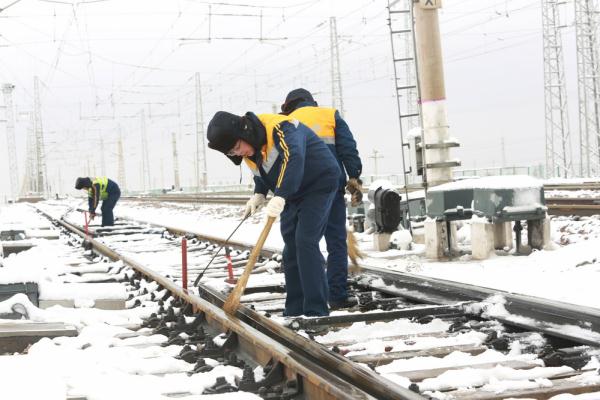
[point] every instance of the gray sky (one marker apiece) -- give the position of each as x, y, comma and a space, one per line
114, 58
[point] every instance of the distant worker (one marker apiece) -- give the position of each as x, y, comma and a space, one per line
101, 188
290, 160
334, 131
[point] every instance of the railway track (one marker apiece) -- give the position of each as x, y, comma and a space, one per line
582, 206
573, 206
481, 338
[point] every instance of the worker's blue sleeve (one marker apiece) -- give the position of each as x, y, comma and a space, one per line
291, 144
259, 186
345, 147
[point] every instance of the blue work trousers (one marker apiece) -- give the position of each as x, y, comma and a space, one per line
108, 218
337, 250
303, 224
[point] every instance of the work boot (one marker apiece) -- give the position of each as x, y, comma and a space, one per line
348, 302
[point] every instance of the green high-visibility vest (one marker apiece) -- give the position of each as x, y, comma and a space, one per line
103, 181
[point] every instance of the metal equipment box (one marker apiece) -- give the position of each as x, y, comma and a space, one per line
440, 200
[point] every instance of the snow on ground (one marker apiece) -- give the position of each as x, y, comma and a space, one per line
107, 360
92, 362
568, 272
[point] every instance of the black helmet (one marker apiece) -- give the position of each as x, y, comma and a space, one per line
82, 183
294, 97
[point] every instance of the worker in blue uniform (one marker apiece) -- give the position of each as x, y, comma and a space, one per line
334, 131
100, 188
288, 159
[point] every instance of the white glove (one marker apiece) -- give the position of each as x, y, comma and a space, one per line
275, 206
255, 202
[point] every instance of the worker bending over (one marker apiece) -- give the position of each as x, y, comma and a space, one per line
288, 159
100, 188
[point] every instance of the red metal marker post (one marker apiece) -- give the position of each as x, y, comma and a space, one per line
85, 215
184, 277
230, 279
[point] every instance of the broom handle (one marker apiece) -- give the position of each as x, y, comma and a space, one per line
233, 300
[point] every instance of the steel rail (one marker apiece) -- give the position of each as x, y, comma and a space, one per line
336, 376
439, 291
547, 316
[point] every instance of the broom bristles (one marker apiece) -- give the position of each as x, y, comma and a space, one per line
353, 251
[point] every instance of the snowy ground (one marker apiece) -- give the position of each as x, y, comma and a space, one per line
107, 360
97, 358
569, 272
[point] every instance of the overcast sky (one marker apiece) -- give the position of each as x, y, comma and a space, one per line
101, 62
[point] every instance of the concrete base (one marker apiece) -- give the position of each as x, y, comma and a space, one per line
381, 241
538, 233
419, 236
103, 304
15, 337
482, 239
503, 235
15, 247
436, 240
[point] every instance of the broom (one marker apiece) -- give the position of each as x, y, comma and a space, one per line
233, 300
353, 251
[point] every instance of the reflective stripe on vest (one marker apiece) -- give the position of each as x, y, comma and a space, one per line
320, 119
103, 181
269, 152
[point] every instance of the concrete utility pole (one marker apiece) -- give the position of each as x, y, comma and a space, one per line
121, 162
437, 141
337, 98
42, 174
145, 157
201, 176
175, 163
558, 140
375, 157
7, 89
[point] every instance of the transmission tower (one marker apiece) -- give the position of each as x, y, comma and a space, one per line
40, 153
29, 184
201, 176
145, 157
337, 98
175, 163
121, 163
588, 86
7, 89
558, 139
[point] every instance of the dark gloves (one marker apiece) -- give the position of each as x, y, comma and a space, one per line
354, 187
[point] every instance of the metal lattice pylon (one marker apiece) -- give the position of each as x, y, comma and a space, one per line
7, 89
588, 86
337, 98
40, 152
558, 139
29, 183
